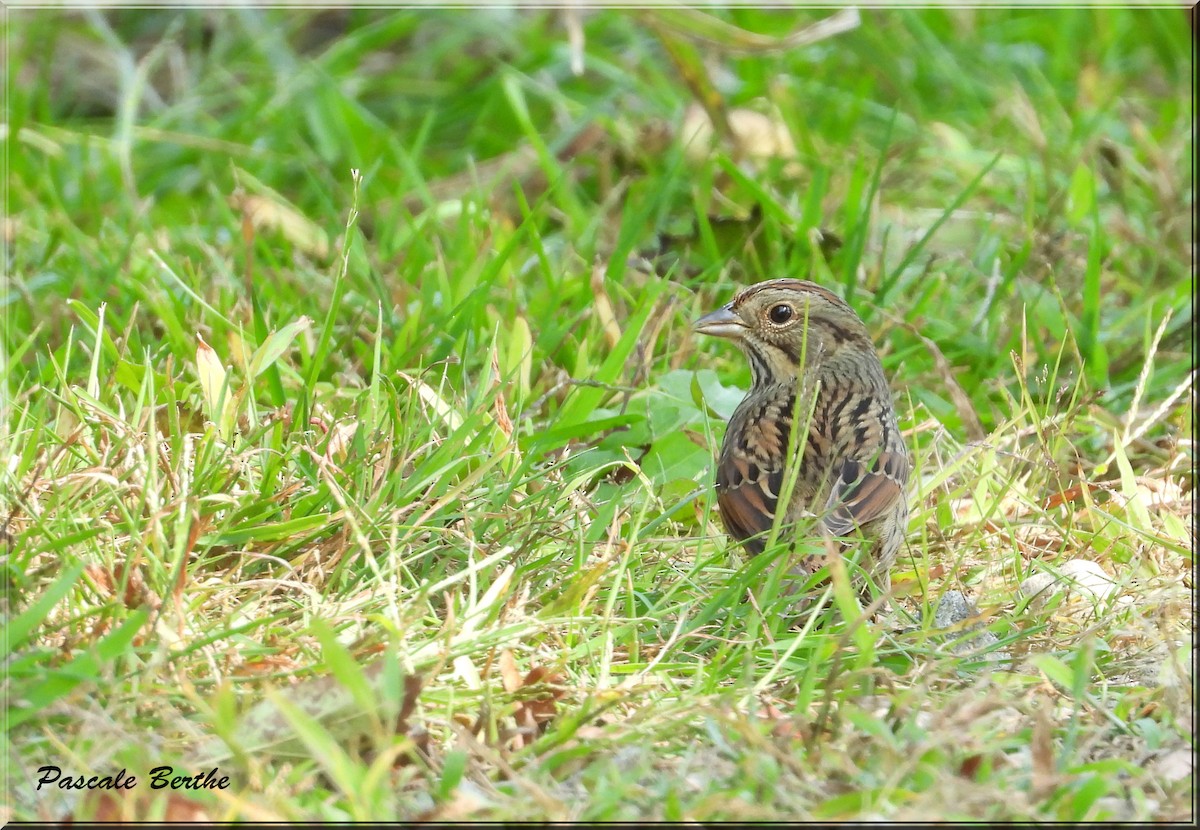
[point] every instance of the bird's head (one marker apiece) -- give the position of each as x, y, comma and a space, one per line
785, 326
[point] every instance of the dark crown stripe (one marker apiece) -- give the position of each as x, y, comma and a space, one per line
799, 286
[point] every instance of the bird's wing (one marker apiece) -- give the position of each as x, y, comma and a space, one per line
750, 471
747, 495
864, 491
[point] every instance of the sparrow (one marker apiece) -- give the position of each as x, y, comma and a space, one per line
812, 364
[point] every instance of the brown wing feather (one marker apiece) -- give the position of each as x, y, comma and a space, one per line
750, 471
747, 496
863, 493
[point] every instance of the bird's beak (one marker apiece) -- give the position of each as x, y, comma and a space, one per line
720, 323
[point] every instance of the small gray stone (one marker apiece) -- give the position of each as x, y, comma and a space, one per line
1079, 578
954, 608
1038, 588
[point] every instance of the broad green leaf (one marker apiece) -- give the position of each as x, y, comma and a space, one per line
219, 403
276, 344
676, 456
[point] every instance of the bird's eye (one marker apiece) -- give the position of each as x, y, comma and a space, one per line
781, 313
